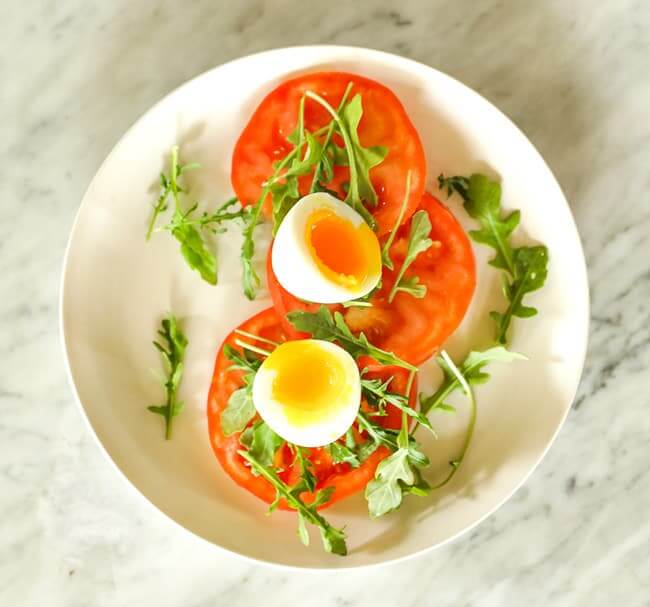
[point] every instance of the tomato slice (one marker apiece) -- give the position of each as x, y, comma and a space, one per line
413, 329
384, 123
345, 479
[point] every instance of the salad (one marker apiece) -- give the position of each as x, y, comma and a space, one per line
316, 398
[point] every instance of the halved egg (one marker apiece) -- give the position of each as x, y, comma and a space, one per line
325, 252
308, 391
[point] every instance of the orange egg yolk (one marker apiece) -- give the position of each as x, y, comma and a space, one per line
346, 254
310, 382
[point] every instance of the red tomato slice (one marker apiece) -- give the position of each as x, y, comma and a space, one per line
345, 479
384, 122
413, 329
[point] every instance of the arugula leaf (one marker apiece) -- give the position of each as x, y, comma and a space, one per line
193, 248
342, 454
172, 353
262, 442
284, 188
323, 496
184, 227
530, 271
350, 440
388, 438
321, 325
377, 394
307, 479
239, 411
364, 158
525, 268
167, 184
418, 242
384, 493
303, 534
213, 221
333, 539
398, 474
471, 369
412, 286
244, 360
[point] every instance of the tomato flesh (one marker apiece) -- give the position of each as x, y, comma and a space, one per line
384, 122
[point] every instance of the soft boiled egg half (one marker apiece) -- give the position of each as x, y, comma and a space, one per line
308, 391
325, 252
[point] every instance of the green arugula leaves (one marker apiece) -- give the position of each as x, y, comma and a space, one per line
172, 354
399, 473
333, 539
322, 325
186, 228
342, 454
315, 152
471, 369
262, 443
378, 395
463, 377
364, 158
418, 242
524, 268
530, 271
395, 476
240, 409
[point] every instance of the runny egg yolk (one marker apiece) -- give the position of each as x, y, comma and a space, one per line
308, 380
346, 254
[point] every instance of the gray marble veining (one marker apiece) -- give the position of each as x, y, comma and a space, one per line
572, 75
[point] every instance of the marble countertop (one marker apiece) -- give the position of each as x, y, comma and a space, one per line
572, 75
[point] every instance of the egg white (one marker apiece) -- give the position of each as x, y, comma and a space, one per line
322, 429
292, 261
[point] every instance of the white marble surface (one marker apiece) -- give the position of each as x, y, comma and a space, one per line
573, 75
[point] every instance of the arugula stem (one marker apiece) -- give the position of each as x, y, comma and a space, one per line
171, 187
310, 514
369, 427
403, 438
455, 464
158, 208
171, 404
252, 348
515, 301
173, 184
328, 137
353, 192
393, 290
356, 304
172, 354
248, 246
257, 337
385, 250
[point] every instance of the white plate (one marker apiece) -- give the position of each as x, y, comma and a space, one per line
116, 288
